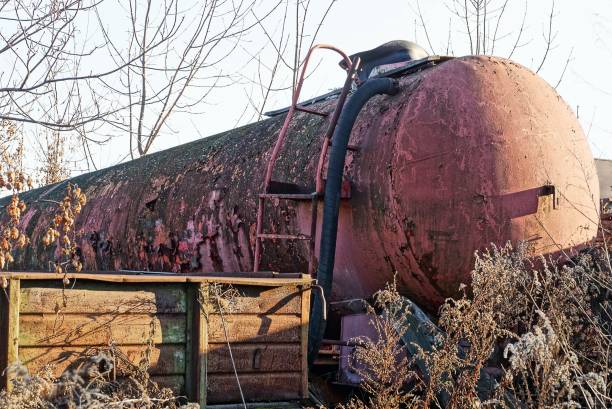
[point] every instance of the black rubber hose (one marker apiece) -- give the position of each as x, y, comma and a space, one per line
331, 205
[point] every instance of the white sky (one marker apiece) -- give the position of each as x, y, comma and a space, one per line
356, 25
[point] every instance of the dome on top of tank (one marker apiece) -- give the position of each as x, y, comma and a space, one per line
391, 55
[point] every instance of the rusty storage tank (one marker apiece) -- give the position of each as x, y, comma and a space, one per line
469, 152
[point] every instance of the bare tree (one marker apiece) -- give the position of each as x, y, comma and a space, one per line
487, 29
64, 68
482, 20
483, 23
42, 64
293, 30
157, 85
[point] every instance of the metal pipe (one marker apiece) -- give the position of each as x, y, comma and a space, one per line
331, 207
332, 124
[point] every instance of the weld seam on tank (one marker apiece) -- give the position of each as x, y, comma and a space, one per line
331, 204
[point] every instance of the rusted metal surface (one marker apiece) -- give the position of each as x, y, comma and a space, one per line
469, 154
455, 162
352, 327
187, 346
311, 111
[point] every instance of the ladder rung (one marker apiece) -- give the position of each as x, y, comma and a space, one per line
283, 236
285, 188
310, 111
288, 196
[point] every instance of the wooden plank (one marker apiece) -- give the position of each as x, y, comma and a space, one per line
203, 347
271, 282
305, 319
245, 274
255, 328
199, 344
254, 358
176, 383
265, 300
95, 297
13, 327
100, 329
165, 359
274, 281
222, 388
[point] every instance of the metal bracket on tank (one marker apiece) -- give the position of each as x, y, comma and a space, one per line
550, 189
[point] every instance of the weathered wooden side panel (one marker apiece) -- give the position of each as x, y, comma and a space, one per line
58, 324
253, 357
266, 300
265, 330
176, 383
255, 328
222, 388
101, 329
183, 328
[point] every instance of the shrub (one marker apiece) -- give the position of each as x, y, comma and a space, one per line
525, 335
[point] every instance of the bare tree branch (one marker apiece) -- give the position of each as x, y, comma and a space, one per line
549, 37
569, 57
424, 26
100, 77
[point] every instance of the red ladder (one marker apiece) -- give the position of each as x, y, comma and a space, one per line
319, 184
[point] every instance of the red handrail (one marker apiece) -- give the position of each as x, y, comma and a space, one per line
283, 133
296, 94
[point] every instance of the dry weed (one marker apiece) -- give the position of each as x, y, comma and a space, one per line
102, 378
61, 232
13, 180
383, 363
522, 337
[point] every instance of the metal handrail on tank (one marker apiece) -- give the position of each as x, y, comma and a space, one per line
351, 69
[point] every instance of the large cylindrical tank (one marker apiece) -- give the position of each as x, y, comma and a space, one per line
473, 151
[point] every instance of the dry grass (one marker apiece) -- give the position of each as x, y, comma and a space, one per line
103, 378
523, 337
